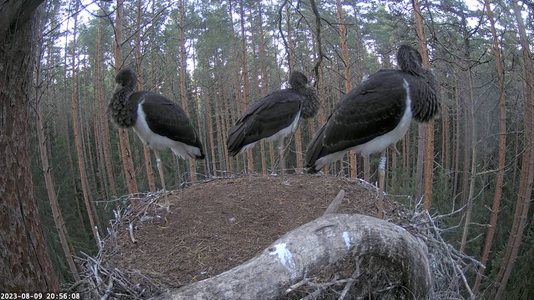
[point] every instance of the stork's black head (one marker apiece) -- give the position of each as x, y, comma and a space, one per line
311, 103
126, 79
409, 59
297, 80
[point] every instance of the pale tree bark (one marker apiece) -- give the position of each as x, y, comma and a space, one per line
239, 109
183, 92
226, 163
124, 140
264, 80
312, 247
456, 140
25, 264
77, 139
244, 73
428, 137
359, 79
138, 62
318, 67
97, 134
291, 60
84, 113
322, 112
211, 145
226, 123
50, 187
200, 110
527, 168
346, 73
97, 129
64, 118
446, 140
103, 119
472, 180
502, 149
466, 157
257, 79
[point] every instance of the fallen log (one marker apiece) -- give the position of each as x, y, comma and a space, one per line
321, 243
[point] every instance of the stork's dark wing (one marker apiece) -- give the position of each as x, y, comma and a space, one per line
263, 119
372, 109
168, 119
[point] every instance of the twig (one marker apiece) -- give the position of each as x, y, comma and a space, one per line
108, 290
350, 283
296, 286
313, 295
466, 284
130, 229
437, 218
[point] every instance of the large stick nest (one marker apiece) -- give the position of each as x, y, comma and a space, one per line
218, 224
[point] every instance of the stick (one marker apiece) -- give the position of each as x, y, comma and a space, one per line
381, 184
334, 206
130, 229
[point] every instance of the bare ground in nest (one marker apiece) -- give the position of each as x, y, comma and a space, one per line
216, 225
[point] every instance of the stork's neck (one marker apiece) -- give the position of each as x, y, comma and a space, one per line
122, 112
426, 96
413, 68
310, 105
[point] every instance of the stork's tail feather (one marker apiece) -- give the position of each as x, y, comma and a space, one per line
314, 150
236, 135
202, 155
198, 154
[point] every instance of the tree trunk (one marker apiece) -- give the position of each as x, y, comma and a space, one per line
77, 131
65, 117
138, 62
426, 160
346, 73
236, 80
264, 83
26, 265
97, 129
502, 150
527, 170
456, 141
446, 141
86, 140
50, 187
473, 165
323, 112
124, 140
225, 124
209, 132
244, 73
291, 61
366, 168
312, 247
183, 91
103, 119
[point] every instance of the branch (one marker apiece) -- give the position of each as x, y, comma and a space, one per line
319, 44
328, 240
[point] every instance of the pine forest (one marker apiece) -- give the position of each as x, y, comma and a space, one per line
472, 165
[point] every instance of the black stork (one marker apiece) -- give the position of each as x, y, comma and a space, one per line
378, 112
159, 122
274, 117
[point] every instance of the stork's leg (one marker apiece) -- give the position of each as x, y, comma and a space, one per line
381, 183
160, 170
282, 159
